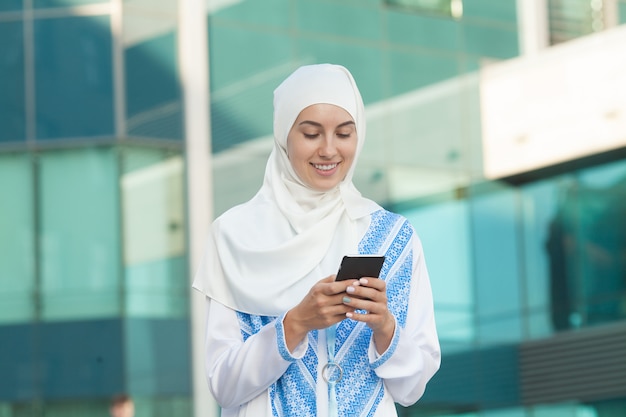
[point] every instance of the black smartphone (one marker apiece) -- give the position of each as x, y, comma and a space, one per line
357, 266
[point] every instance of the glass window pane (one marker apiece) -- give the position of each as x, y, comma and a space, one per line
80, 234
330, 19
10, 5
11, 82
273, 13
490, 41
157, 360
154, 234
241, 95
73, 75
417, 70
64, 3
423, 31
17, 278
443, 7
444, 232
540, 201
497, 265
153, 98
601, 243
504, 11
570, 19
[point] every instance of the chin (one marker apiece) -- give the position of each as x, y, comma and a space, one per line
323, 188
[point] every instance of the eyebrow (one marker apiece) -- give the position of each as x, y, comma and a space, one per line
310, 122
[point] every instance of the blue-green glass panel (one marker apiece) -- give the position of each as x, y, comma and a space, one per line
622, 12
17, 266
242, 57
423, 31
137, 158
272, 13
369, 3
539, 207
12, 118
364, 62
501, 10
429, 7
601, 242
338, 20
154, 234
490, 41
153, 98
445, 234
74, 77
587, 262
64, 3
80, 233
81, 358
60, 361
10, 5
410, 71
87, 407
171, 406
155, 288
246, 66
497, 266
158, 362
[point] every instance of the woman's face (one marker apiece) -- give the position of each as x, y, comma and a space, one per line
321, 145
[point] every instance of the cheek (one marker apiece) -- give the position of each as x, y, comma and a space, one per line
349, 151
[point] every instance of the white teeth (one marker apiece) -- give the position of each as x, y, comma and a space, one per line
324, 167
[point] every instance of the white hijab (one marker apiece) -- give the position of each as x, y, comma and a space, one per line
263, 256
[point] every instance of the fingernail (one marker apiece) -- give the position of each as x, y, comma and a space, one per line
350, 289
346, 299
363, 281
349, 315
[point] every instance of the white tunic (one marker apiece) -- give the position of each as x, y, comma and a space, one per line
243, 370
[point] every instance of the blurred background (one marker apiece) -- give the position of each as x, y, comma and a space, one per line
498, 127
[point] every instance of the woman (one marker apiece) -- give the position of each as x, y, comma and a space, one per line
283, 337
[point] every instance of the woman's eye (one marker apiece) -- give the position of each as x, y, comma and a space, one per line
344, 135
310, 135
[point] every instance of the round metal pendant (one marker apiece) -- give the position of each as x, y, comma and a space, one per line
332, 372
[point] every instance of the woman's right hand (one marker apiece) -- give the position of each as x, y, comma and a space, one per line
321, 308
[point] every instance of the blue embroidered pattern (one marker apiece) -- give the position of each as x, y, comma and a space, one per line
360, 391
294, 393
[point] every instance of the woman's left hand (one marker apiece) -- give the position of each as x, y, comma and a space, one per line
370, 294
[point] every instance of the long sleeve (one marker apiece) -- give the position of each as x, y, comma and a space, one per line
414, 354
239, 371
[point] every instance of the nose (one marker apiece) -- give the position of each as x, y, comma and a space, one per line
328, 147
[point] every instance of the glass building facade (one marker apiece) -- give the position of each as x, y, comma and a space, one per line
528, 272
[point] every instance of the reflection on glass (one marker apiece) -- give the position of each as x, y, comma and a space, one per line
587, 250
153, 93
570, 19
154, 234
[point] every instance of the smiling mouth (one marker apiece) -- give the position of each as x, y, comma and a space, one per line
325, 167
